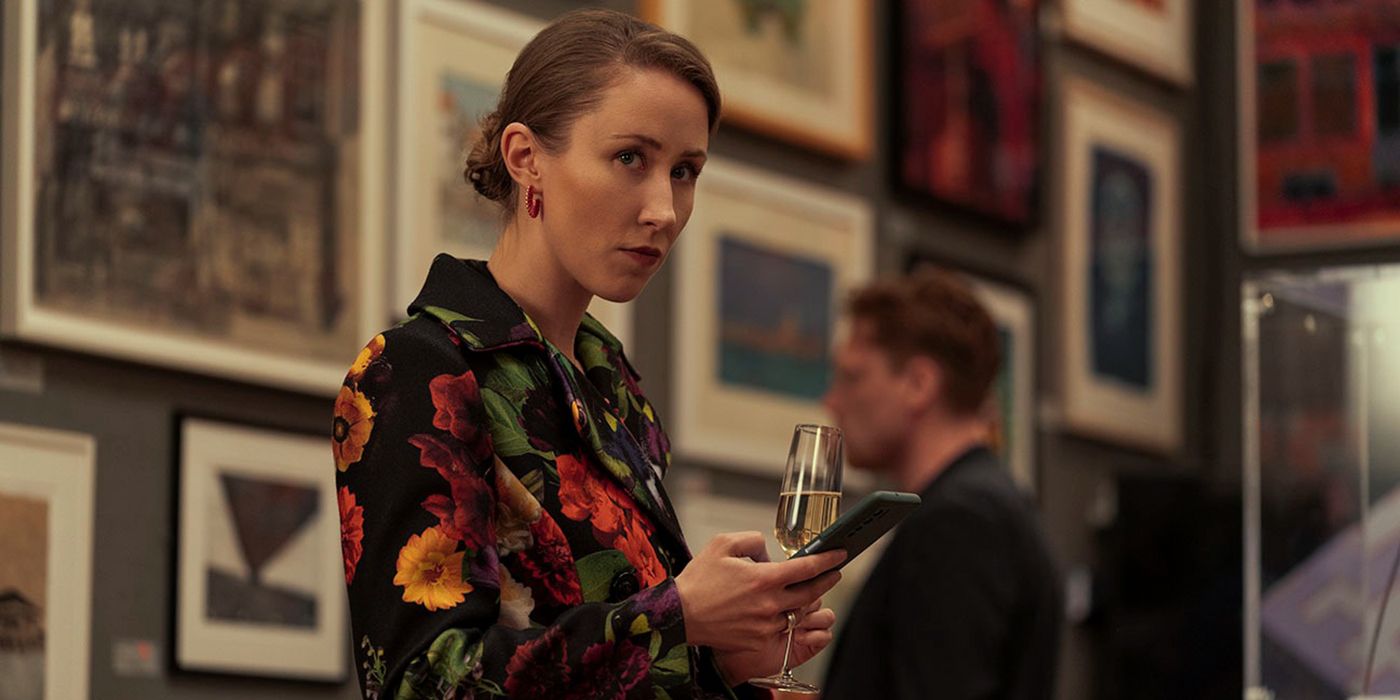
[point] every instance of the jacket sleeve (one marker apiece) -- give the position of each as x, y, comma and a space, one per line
427, 533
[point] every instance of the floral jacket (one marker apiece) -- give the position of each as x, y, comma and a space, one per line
503, 523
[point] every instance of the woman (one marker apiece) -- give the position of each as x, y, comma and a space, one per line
503, 521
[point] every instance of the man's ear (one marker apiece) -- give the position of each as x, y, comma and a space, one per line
923, 381
520, 150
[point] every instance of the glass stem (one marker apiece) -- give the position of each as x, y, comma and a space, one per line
787, 651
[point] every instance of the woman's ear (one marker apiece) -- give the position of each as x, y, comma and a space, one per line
520, 151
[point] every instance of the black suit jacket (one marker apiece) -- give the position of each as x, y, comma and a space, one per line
965, 603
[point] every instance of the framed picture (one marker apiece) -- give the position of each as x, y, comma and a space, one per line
1122, 291
966, 107
1319, 124
1154, 35
46, 507
798, 71
762, 271
194, 185
260, 587
1012, 308
453, 58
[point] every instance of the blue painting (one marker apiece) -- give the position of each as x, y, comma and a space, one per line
1121, 284
775, 320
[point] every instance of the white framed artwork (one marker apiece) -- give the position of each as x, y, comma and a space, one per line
226, 223
1121, 361
763, 270
261, 584
47, 484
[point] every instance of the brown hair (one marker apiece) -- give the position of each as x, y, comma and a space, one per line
933, 312
563, 72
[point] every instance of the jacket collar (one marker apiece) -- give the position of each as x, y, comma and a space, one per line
976, 454
464, 295
455, 286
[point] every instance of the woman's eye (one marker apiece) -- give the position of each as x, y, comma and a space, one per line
685, 172
628, 158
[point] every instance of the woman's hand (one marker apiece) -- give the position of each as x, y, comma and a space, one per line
813, 634
734, 599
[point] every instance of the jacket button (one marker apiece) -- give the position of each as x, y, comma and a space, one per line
580, 418
624, 585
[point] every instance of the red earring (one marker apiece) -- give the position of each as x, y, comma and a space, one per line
533, 204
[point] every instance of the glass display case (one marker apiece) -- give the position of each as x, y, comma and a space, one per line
1321, 380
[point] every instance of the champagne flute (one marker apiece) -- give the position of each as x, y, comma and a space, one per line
809, 501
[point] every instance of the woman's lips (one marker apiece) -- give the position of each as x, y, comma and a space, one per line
644, 255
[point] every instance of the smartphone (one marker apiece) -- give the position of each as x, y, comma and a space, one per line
862, 525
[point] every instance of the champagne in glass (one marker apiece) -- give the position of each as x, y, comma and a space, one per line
808, 502
802, 515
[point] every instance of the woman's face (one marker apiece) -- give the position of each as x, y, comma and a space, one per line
618, 196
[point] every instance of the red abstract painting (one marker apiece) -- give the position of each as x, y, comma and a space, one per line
967, 104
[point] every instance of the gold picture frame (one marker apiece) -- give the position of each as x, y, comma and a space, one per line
1153, 36
799, 72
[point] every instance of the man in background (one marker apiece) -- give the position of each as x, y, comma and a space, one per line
965, 602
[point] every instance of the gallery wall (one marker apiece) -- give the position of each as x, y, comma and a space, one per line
130, 408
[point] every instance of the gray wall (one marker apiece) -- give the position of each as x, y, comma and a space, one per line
129, 408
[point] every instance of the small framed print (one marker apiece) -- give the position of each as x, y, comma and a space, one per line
46, 515
260, 585
1121, 275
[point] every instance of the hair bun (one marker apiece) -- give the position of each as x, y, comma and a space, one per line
486, 169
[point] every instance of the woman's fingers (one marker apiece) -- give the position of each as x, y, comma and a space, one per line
800, 596
811, 642
796, 571
741, 544
819, 620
